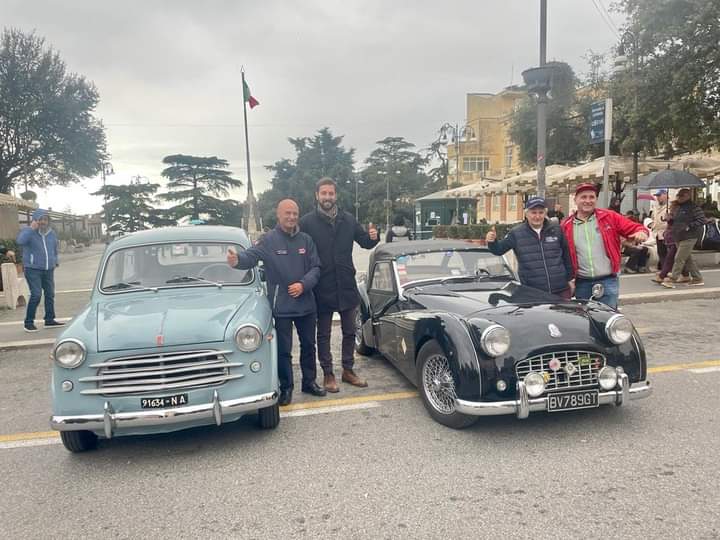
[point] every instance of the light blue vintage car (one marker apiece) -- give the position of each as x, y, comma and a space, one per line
173, 338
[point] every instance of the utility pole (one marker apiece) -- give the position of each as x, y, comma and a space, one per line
542, 106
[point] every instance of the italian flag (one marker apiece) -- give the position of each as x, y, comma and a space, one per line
247, 96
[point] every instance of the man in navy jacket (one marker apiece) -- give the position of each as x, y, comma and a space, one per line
292, 269
541, 250
40, 258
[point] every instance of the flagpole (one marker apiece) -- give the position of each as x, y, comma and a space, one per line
251, 222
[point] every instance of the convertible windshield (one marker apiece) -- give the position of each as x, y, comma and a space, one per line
181, 264
447, 265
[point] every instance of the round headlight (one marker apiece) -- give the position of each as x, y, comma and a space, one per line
618, 329
607, 378
248, 338
69, 353
534, 384
495, 340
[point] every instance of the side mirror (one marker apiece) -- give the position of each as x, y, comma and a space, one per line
598, 290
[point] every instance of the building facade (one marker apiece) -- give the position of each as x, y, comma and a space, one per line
484, 149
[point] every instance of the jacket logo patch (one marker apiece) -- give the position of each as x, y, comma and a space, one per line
551, 238
281, 252
301, 251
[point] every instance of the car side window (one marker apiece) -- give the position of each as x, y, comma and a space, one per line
382, 279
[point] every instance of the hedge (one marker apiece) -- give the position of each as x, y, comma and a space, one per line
470, 232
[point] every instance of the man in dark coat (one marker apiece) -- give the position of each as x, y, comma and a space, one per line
292, 269
541, 250
686, 225
334, 232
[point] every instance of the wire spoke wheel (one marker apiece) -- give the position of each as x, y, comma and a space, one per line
438, 384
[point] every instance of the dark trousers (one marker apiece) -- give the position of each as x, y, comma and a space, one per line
324, 327
662, 253
305, 327
637, 257
39, 282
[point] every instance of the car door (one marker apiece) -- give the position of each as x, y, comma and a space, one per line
382, 294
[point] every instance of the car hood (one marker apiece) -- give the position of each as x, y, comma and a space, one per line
167, 318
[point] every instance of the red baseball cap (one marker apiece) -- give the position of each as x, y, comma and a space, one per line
585, 187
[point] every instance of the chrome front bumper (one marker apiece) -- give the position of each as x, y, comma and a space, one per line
523, 406
110, 421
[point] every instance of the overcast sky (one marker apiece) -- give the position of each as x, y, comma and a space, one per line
168, 72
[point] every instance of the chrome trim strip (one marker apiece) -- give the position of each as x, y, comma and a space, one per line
124, 375
159, 387
152, 357
492, 408
110, 422
217, 410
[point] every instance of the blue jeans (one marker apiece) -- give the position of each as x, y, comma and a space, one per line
39, 282
583, 290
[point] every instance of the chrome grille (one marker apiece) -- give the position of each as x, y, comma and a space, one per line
161, 372
587, 365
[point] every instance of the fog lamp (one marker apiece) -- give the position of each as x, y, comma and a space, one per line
607, 378
255, 366
534, 384
501, 385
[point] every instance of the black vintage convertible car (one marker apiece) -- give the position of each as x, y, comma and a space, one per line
452, 317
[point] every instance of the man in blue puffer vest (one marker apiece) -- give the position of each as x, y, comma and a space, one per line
40, 258
541, 250
292, 269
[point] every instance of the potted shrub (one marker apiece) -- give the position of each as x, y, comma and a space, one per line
440, 231
453, 231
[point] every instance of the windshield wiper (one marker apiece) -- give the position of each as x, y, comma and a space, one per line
127, 285
191, 279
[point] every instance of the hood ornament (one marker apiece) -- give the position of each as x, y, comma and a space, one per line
554, 331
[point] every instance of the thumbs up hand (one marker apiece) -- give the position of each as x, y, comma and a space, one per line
491, 236
232, 258
372, 232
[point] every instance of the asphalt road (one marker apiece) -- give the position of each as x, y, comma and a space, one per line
370, 463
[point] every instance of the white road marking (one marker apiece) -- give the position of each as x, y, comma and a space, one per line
38, 321
29, 442
26, 343
705, 370
70, 291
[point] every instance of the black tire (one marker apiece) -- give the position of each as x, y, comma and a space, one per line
360, 346
79, 441
269, 417
433, 365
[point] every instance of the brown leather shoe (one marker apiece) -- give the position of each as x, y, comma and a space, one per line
349, 377
330, 383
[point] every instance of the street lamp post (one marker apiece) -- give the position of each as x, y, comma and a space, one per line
620, 66
357, 202
388, 202
456, 132
106, 169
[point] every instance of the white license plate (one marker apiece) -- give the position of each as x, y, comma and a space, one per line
568, 401
162, 402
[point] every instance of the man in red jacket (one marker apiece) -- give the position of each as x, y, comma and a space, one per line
594, 236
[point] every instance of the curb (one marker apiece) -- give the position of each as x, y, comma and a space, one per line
669, 295
26, 344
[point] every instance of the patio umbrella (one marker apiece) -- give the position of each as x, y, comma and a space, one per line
670, 178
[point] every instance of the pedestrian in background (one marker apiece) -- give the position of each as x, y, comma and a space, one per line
40, 258
594, 236
334, 232
659, 224
686, 225
541, 250
398, 232
292, 269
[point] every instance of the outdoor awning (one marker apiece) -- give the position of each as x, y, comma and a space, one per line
20, 204
701, 165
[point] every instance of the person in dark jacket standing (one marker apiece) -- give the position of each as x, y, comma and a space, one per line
686, 224
292, 270
398, 232
334, 232
40, 258
541, 251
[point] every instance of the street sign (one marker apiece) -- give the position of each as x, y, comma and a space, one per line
597, 122
601, 121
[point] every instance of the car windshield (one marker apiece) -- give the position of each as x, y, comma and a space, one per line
177, 264
439, 265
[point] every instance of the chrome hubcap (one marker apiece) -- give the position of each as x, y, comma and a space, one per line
438, 384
